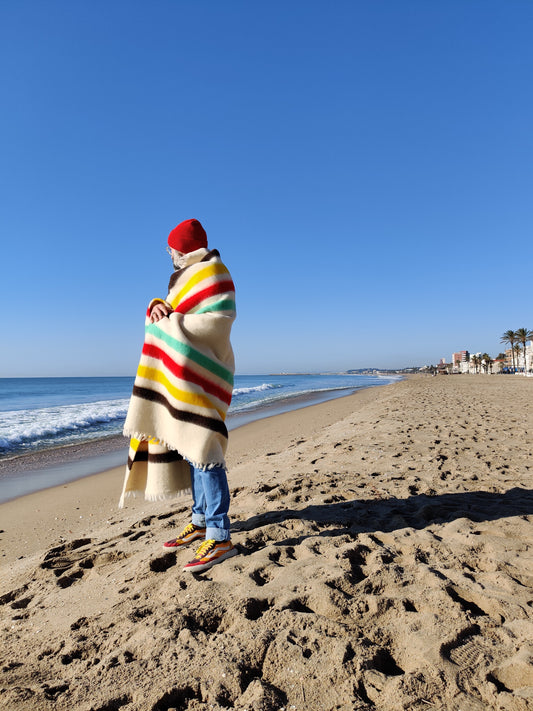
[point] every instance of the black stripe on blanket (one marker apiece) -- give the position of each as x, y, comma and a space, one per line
182, 415
168, 457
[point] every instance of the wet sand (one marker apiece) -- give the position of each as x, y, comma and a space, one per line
386, 557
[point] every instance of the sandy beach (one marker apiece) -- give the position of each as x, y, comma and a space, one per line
386, 562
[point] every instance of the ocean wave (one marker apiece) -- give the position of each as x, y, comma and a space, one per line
24, 427
256, 389
273, 398
29, 429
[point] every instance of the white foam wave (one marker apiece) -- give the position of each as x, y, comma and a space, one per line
256, 389
273, 398
25, 426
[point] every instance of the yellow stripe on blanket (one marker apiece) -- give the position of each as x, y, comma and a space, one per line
134, 442
211, 270
156, 376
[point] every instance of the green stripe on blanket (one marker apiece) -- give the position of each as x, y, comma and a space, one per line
222, 305
192, 353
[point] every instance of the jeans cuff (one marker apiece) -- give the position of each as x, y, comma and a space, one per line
218, 534
198, 520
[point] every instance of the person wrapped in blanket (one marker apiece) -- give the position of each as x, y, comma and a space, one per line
182, 391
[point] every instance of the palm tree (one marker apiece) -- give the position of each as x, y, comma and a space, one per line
523, 335
487, 362
510, 338
476, 361
516, 349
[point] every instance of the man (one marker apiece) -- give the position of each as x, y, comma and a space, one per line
181, 394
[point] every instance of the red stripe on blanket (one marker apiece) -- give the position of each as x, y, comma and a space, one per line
186, 374
218, 288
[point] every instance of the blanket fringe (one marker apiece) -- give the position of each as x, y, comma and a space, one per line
160, 497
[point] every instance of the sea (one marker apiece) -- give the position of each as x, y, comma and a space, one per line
39, 414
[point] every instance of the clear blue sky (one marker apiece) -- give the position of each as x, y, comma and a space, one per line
364, 168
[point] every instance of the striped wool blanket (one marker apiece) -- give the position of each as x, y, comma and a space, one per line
184, 381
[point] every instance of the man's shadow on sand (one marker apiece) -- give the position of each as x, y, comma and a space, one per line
387, 515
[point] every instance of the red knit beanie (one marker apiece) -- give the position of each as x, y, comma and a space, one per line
188, 236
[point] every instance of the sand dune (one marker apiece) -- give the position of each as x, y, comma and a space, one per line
386, 562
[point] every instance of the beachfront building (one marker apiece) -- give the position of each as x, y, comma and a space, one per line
460, 362
509, 359
475, 363
498, 366
444, 368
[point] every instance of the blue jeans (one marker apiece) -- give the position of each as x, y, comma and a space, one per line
210, 507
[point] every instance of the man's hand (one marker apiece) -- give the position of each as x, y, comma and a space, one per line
158, 312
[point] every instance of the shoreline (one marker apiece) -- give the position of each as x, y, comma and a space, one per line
65, 453
49, 467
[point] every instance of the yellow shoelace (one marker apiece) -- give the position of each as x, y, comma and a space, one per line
205, 548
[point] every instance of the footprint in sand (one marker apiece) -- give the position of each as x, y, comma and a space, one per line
12, 595
70, 561
162, 563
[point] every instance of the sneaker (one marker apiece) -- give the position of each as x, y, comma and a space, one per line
210, 553
189, 533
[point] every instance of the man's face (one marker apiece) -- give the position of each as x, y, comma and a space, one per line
177, 258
